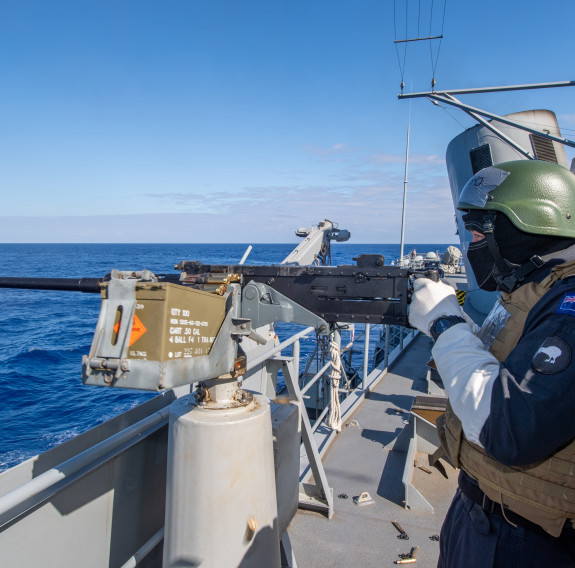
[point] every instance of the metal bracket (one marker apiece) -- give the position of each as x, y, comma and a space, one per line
243, 327
423, 437
262, 305
311, 498
320, 496
121, 299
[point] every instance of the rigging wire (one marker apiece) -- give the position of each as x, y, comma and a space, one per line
451, 116
419, 20
434, 64
433, 57
401, 67
526, 122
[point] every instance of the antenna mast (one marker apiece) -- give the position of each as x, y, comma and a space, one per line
405, 187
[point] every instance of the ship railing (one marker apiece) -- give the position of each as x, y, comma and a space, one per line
317, 437
27, 488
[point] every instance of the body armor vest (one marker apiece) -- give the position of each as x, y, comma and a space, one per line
544, 492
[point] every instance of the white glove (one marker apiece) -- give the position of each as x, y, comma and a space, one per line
430, 301
468, 372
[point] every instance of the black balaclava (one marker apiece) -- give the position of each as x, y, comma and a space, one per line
517, 250
482, 264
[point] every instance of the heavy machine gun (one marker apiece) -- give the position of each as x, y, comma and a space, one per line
160, 331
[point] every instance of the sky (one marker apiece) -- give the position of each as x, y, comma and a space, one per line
242, 120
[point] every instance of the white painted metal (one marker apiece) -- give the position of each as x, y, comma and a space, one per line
128, 492
221, 496
405, 186
143, 551
325, 496
107, 512
422, 438
478, 90
308, 251
366, 355
477, 113
246, 254
286, 428
324, 437
460, 171
315, 247
36, 488
252, 363
288, 557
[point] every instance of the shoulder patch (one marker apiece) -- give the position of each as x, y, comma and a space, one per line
553, 356
567, 305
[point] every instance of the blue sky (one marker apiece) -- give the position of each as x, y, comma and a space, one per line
241, 120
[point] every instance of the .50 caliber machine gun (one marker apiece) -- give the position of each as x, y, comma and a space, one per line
161, 331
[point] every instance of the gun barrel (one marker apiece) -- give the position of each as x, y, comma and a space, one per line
88, 285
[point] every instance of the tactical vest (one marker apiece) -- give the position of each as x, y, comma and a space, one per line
544, 492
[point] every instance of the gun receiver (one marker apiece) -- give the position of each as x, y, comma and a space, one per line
368, 292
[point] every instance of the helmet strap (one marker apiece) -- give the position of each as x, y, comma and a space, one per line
504, 273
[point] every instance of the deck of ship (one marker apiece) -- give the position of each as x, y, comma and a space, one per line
365, 457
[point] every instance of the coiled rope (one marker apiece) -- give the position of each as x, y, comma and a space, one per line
334, 419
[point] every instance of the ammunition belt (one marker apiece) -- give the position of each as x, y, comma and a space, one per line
214, 283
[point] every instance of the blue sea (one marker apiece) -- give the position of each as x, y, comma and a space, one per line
43, 334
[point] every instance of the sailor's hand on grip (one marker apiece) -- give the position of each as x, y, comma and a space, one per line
430, 301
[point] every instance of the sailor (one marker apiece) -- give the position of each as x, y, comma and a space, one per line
510, 420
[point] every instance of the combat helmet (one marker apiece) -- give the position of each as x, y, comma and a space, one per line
537, 198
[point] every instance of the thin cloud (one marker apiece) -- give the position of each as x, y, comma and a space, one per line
364, 195
337, 152
335, 149
386, 159
371, 211
413, 159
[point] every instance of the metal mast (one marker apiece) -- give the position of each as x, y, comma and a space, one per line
405, 187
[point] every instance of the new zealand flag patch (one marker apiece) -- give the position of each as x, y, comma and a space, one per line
567, 305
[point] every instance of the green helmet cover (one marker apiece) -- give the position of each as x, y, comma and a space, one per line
538, 197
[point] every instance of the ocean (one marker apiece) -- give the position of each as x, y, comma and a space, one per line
44, 334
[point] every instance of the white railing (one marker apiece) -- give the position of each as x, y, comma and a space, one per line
390, 337
318, 437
